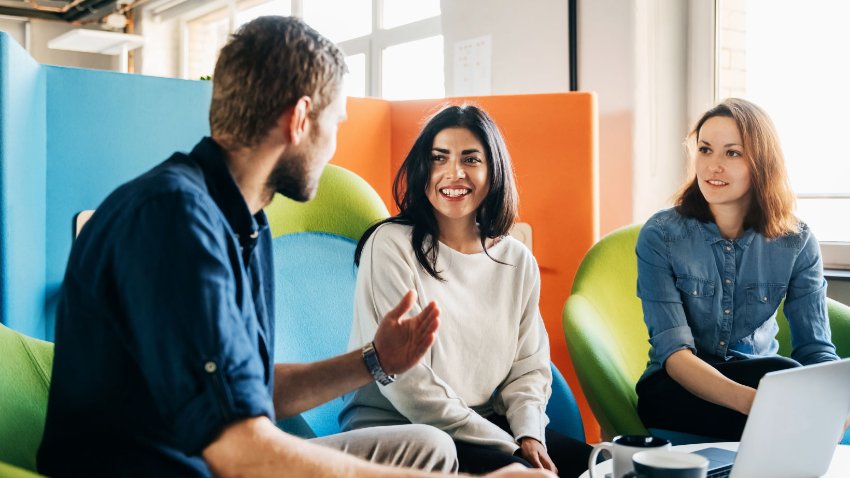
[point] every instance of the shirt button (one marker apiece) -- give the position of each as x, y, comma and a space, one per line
728, 248
764, 299
210, 367
255, 234
728, 281
727, 311
722, 343
694, 293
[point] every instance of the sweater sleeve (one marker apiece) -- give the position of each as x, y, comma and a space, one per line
526, 390
418, 394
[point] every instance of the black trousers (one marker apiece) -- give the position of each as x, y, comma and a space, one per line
569, 455
663, 403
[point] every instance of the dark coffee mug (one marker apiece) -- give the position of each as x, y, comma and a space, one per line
668, 464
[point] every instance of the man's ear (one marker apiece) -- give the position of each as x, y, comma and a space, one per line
298, 125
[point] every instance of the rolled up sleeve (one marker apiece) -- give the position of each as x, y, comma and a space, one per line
805, 307
661, 301
194, 346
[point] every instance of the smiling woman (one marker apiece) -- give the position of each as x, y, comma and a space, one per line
457, 201
458, 184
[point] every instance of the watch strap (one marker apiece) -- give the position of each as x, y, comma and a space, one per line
370, 358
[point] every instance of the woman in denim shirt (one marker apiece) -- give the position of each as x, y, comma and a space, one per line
712, 272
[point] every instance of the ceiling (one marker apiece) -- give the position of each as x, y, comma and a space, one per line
72, 11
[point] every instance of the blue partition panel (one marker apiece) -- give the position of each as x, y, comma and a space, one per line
68, 137
22, 188
104, 128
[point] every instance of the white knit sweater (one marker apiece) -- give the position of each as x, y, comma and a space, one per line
491, 353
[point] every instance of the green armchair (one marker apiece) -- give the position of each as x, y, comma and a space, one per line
25, 367
607, 339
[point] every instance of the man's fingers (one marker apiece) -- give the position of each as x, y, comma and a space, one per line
424, 342
428, 319
403, 306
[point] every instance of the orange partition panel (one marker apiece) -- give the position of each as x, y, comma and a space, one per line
363, 144
552, 140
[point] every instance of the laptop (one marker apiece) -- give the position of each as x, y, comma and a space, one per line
796, 422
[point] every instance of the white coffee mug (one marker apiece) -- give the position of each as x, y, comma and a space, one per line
621, 449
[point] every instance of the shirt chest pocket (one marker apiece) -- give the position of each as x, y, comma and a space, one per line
763, 300
697, 296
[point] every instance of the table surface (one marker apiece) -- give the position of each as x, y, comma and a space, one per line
839, 468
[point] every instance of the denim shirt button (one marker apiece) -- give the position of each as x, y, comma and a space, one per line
727, 311
722, 343
210, 367
728, 248
728, 281
694, 292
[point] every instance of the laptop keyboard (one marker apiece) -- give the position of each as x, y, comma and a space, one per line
722, 472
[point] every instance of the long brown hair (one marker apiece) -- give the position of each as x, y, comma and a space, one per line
771, 212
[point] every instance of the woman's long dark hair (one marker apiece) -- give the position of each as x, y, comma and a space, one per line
497, 212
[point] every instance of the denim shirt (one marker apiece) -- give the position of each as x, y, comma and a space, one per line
719, 297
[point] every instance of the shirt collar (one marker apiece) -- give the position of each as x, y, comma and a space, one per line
224, 191
712, 235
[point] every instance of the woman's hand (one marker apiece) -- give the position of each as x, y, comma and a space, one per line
704, 381
535, 453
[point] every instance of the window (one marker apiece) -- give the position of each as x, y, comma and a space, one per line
355, 81
393, 48
408, 70
272, 7
402, 12
206, 36
787, 57
339, 20
402, 49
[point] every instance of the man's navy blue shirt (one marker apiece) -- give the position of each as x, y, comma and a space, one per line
164, 331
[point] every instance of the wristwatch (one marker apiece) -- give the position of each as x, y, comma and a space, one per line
370, 358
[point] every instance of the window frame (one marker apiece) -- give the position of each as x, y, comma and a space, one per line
371, 45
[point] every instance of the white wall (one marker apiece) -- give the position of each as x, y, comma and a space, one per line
42, 31
530, 51
661, 85
606, 65
15, 28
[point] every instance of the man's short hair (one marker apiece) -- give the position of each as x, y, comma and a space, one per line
267, 65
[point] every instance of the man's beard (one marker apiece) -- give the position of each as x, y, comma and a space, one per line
290, 177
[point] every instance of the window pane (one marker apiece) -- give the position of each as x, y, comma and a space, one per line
401, 12
826, 217
207, 35
355, 80
414, 70
272, 7
782, 55
339, 20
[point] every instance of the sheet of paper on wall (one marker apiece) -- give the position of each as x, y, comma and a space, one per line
473, 66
